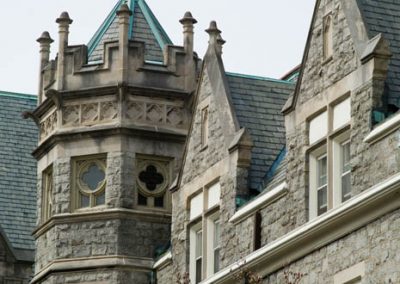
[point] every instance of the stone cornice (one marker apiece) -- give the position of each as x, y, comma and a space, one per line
157, 133
105, 214
260, 202
336, 223
71, 264
383, 129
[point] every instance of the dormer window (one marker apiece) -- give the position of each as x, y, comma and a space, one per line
328, 37
329, 158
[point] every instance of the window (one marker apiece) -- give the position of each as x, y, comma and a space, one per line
205, 233
328, 37
322, 180
345, 170
47, 193
89, 182
152, 180
329, 158
204, 127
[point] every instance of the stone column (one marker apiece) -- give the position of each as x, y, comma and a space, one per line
45, 41
190, 68
123, 16
63, 30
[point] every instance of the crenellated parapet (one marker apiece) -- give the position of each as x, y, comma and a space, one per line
123, 62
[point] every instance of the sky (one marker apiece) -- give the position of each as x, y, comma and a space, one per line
264, 37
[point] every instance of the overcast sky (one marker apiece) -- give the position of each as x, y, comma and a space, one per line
264, 37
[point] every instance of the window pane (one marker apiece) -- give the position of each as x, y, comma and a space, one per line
322, 200
159, 202
85, 201
142, 200
216, 260
346, 187
93, 176
198, 270
346, 157
217, 233
101, 199
199, 244
322, 170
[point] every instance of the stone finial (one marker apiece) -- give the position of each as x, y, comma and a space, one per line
64, 19
45, 41
220, 43
45, 38
124, 10
188, 19
213, 31
188, 26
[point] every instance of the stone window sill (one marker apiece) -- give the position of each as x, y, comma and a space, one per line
383, 129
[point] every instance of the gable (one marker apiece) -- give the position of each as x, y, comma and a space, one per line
318, 72
144, 27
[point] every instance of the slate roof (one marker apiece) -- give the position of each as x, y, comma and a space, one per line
258, 103
383, 16
144, 26
18, 138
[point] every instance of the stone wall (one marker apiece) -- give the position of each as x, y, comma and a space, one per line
376, 244
317, 73
164, 274
100, 276
11, 270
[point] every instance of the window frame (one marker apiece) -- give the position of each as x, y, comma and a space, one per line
329, 145
79, 164
47, 194
204, 221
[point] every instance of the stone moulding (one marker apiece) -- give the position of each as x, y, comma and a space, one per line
106, 214
384, 129
163, 261
59, 265
336, 223
260, 202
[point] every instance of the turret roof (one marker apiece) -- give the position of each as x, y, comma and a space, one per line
144, 27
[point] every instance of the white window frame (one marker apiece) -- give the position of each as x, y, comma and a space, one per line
194, 231
211, 246
315, 156
329, 143
203, 221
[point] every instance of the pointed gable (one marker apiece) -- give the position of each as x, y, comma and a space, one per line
383, 16
144, 27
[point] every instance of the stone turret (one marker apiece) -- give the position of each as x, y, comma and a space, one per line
111, 140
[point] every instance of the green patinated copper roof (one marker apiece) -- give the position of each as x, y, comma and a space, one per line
18, 138
144, 27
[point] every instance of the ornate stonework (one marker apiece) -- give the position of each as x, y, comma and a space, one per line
48, 125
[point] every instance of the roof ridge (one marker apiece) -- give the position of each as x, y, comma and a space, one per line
18, 95
256, 77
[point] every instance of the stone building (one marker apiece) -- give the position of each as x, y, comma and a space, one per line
156, 166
